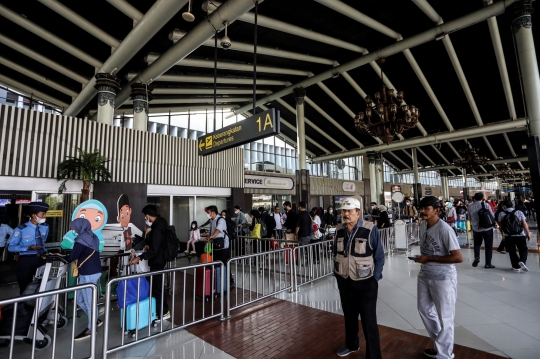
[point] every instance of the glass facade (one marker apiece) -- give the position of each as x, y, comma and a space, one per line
427, 178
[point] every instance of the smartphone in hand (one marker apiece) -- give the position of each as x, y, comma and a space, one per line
414, 258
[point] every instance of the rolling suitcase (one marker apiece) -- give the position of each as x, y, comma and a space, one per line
131, 316
204, 278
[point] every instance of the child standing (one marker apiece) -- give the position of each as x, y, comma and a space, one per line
194, 236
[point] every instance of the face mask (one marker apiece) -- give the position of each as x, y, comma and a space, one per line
193, 226
208, 215
331, 211
40, 220
148, 223
236, 212
408, 203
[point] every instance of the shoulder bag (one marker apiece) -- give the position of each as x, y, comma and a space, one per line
75, 267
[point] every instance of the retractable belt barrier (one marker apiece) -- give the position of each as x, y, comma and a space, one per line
35, 311
197, 284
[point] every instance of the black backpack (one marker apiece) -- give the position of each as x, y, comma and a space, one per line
486, 217
170, 244
230, 232
270, 222
511, 224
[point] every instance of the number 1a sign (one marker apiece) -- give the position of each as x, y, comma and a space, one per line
263, 124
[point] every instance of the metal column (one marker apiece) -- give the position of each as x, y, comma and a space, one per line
300, 94
372, 176
107, 85
141, 95
379, 174
444, 185
465, 188
417, 185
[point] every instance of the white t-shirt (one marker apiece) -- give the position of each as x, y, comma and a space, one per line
317, 220
277, 218
438, 241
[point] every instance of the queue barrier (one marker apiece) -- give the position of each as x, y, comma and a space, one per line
259, 276
39, 337
313, 261
199, 310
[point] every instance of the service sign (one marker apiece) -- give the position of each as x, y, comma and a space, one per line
263, 124
252, 181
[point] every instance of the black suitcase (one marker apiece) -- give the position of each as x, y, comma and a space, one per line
199, 247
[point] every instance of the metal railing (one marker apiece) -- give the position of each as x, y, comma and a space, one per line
259, 276
36, 332
191, 287
387, 239
312, 262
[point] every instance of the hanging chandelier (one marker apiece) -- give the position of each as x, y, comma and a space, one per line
470, 159
387, 116
504, 171
526, 178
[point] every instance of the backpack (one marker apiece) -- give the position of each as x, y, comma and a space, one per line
486, 217
264, 229
230, 232
511, 224
170, 244
271, 222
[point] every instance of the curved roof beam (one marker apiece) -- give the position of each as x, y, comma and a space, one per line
274, 24
436, 18
241, 67
42, 59
161, 12
210, 80
208, 91
23, 70
128, 10
48, 36
81, 22
176, 35
162, 101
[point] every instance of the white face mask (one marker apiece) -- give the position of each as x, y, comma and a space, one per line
209, 216
193, 226
331, 211
148, 223
40, 220
236, 211
408, 203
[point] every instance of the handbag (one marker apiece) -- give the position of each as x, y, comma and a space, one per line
75, 267
256, 232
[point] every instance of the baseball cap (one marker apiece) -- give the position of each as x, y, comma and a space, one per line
430, 201
350, 203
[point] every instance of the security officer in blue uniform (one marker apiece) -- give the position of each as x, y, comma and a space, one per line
29, 241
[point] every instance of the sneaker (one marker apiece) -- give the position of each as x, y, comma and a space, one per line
193, 252
523, 267
165, 317
344, 351
85, 334
186, 251
432, 353
474, 264
501, 252
517, 270
99, 323
489, 266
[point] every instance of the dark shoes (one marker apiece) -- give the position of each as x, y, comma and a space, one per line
489, 266
344, 351
99, 323
84, 335
475, 262
432, 353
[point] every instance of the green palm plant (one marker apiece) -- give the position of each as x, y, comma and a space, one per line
88, 167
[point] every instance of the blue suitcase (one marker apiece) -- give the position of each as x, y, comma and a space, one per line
218, 280
131, 315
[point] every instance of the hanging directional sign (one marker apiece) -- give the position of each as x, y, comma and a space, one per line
263, 124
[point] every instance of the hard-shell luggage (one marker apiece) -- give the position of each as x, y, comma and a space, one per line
218, 280
131, 315
204, 279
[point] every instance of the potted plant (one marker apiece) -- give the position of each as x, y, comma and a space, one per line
89, 167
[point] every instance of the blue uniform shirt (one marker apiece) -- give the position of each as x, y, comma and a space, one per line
4, 231
24, 236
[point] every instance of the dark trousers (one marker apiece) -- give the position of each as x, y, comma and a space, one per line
502, 245
487, 238
521, 243
26, 269
223, 255
157, 287
315, 249
360, 297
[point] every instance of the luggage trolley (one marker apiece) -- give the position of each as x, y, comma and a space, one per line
48, 277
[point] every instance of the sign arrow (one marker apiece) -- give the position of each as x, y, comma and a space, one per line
201, 145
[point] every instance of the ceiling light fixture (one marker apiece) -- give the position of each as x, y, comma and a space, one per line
384, 112
188, 16
504, 171
225, 41
470, 159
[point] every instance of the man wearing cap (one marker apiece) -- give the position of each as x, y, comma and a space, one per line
29, 241
358, 265
437, 280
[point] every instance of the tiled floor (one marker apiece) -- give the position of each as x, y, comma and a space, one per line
498, 311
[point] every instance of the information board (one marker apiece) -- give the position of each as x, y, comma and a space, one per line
263, 124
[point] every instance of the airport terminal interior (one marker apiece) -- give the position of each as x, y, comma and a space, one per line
302, 123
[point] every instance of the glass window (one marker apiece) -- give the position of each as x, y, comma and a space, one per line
59, 225
182, 216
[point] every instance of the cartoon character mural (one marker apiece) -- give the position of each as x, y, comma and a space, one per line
96, 213
124, 231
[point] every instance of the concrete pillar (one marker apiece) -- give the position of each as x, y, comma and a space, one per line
465, 187
107, 85
444, 184
141, 94
372, 176
417, 185
299, 94
380, 179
